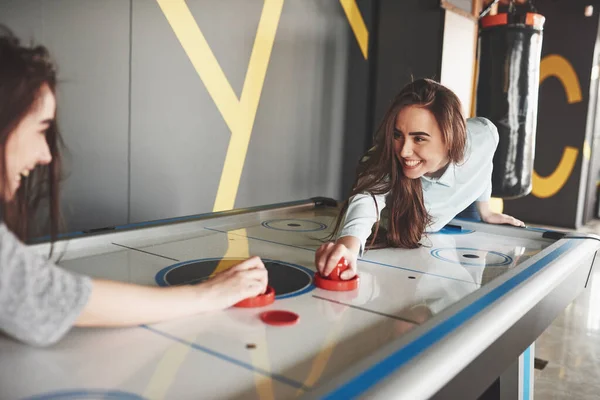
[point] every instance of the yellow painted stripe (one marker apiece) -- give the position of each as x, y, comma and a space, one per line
259, 357
259, 59
203, 59
232, 170
357, 23
561, 68
166, 370
544, 187
253, 84
237, 250
322, 358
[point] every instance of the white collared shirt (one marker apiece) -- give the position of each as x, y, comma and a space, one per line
445, 197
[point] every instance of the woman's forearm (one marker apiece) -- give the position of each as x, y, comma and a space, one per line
122, 304
351, 242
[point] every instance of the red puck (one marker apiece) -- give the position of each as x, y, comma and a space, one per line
279, 317
258, 301
341, 266
336, 286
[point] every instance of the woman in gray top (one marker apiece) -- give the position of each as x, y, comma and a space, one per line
39, 301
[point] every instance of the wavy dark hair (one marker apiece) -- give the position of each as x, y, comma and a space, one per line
24, 70
379, 171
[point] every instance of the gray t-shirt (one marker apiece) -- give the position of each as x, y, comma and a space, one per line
39, 301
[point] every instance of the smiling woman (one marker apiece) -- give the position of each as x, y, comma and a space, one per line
427, 165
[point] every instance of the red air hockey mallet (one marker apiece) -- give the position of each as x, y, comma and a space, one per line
334, 282
258, 301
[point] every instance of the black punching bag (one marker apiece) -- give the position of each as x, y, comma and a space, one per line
510, 46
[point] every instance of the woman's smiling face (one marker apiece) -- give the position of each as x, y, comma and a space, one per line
418, 142
26, 146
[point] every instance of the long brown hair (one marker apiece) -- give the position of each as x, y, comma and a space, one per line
379, 171
23, 72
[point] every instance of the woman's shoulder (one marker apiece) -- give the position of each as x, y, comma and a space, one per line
482, 131
480, 124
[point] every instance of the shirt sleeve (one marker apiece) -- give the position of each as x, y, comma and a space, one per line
360, 217
489, 146
39, 301
487, 193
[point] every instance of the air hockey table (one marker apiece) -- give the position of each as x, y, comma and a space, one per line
454, 319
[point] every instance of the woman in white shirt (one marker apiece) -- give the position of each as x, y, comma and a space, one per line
427, 165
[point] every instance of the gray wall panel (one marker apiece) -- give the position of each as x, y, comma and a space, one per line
229, 28
295, 149
179, 138
89, 41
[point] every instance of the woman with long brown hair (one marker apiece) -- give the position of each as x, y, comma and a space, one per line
39, 301
427, 165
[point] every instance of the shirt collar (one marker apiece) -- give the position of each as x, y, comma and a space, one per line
447, 178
